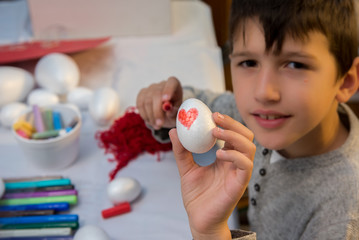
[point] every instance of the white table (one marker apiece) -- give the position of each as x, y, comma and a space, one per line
128, 64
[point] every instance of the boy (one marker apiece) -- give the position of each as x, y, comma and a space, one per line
293, 66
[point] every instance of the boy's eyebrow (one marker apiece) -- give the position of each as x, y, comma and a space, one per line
282, 54
241, 54
299, 54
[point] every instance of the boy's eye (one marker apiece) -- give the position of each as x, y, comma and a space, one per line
297, 65
248, 63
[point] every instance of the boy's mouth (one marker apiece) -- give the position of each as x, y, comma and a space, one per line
269, 117
270, 120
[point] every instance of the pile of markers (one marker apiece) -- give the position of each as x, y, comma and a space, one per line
42, 124
35, 208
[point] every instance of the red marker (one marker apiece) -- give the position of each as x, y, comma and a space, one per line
167, 106
116, 210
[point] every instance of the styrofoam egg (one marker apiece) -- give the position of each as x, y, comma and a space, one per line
91, 232
104, 106
42, 97
2, 187
10, 112
194, 125
124, 189
80, 96
15, 84
57, 72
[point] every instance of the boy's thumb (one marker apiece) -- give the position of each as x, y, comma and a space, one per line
184, 158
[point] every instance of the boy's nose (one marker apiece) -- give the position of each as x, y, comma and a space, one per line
267, 89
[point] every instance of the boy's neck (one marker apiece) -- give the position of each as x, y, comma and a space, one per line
331, 135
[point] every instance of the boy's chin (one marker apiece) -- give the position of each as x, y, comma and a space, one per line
271, 143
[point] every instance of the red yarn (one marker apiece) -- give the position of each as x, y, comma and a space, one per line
127, 138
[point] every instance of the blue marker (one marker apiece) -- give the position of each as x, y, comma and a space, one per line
34, 184
39, 219
42, 206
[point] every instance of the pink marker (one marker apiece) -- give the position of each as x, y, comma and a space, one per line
39, 123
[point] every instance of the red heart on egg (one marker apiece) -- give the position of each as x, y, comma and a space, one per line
187, 118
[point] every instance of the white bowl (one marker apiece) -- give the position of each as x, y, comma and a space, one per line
58, 152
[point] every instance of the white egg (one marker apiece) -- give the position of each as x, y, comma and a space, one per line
10, 112
194, 125
2, 187
15, 84
91, 232
57, 72
104, 106
80, 96
123, 189
42, 97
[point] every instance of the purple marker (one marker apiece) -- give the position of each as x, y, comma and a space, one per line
39, 123
39, 194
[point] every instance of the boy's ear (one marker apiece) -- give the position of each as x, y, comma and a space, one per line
350, 83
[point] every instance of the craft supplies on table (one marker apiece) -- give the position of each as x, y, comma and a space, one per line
38, 207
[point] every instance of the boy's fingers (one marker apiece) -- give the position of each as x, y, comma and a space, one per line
229, 123
171, 89
184, 158
158, 113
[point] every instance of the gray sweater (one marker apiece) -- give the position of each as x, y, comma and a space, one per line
305, 198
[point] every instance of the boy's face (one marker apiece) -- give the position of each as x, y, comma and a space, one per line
287, 100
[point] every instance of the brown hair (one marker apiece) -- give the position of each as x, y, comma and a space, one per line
336, 19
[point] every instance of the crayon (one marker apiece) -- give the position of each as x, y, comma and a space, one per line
39, 123
39, 219
58, 207
71, 199
72, 225
122, 208
40, 238
29, 179
56, 116
45, 134
41, 183
23, 134
40, 189
39, 194
26, 213
48, 119
25, 126
35, 232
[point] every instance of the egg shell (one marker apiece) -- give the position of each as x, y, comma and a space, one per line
194, 125
104, 106
42, 97
80, 96
2, 187
57, 72
15, 84
10, 112
124, 189
91, 232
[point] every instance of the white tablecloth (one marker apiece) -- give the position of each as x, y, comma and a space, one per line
128, 64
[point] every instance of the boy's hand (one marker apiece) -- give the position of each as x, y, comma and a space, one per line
211, 193
149, 103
